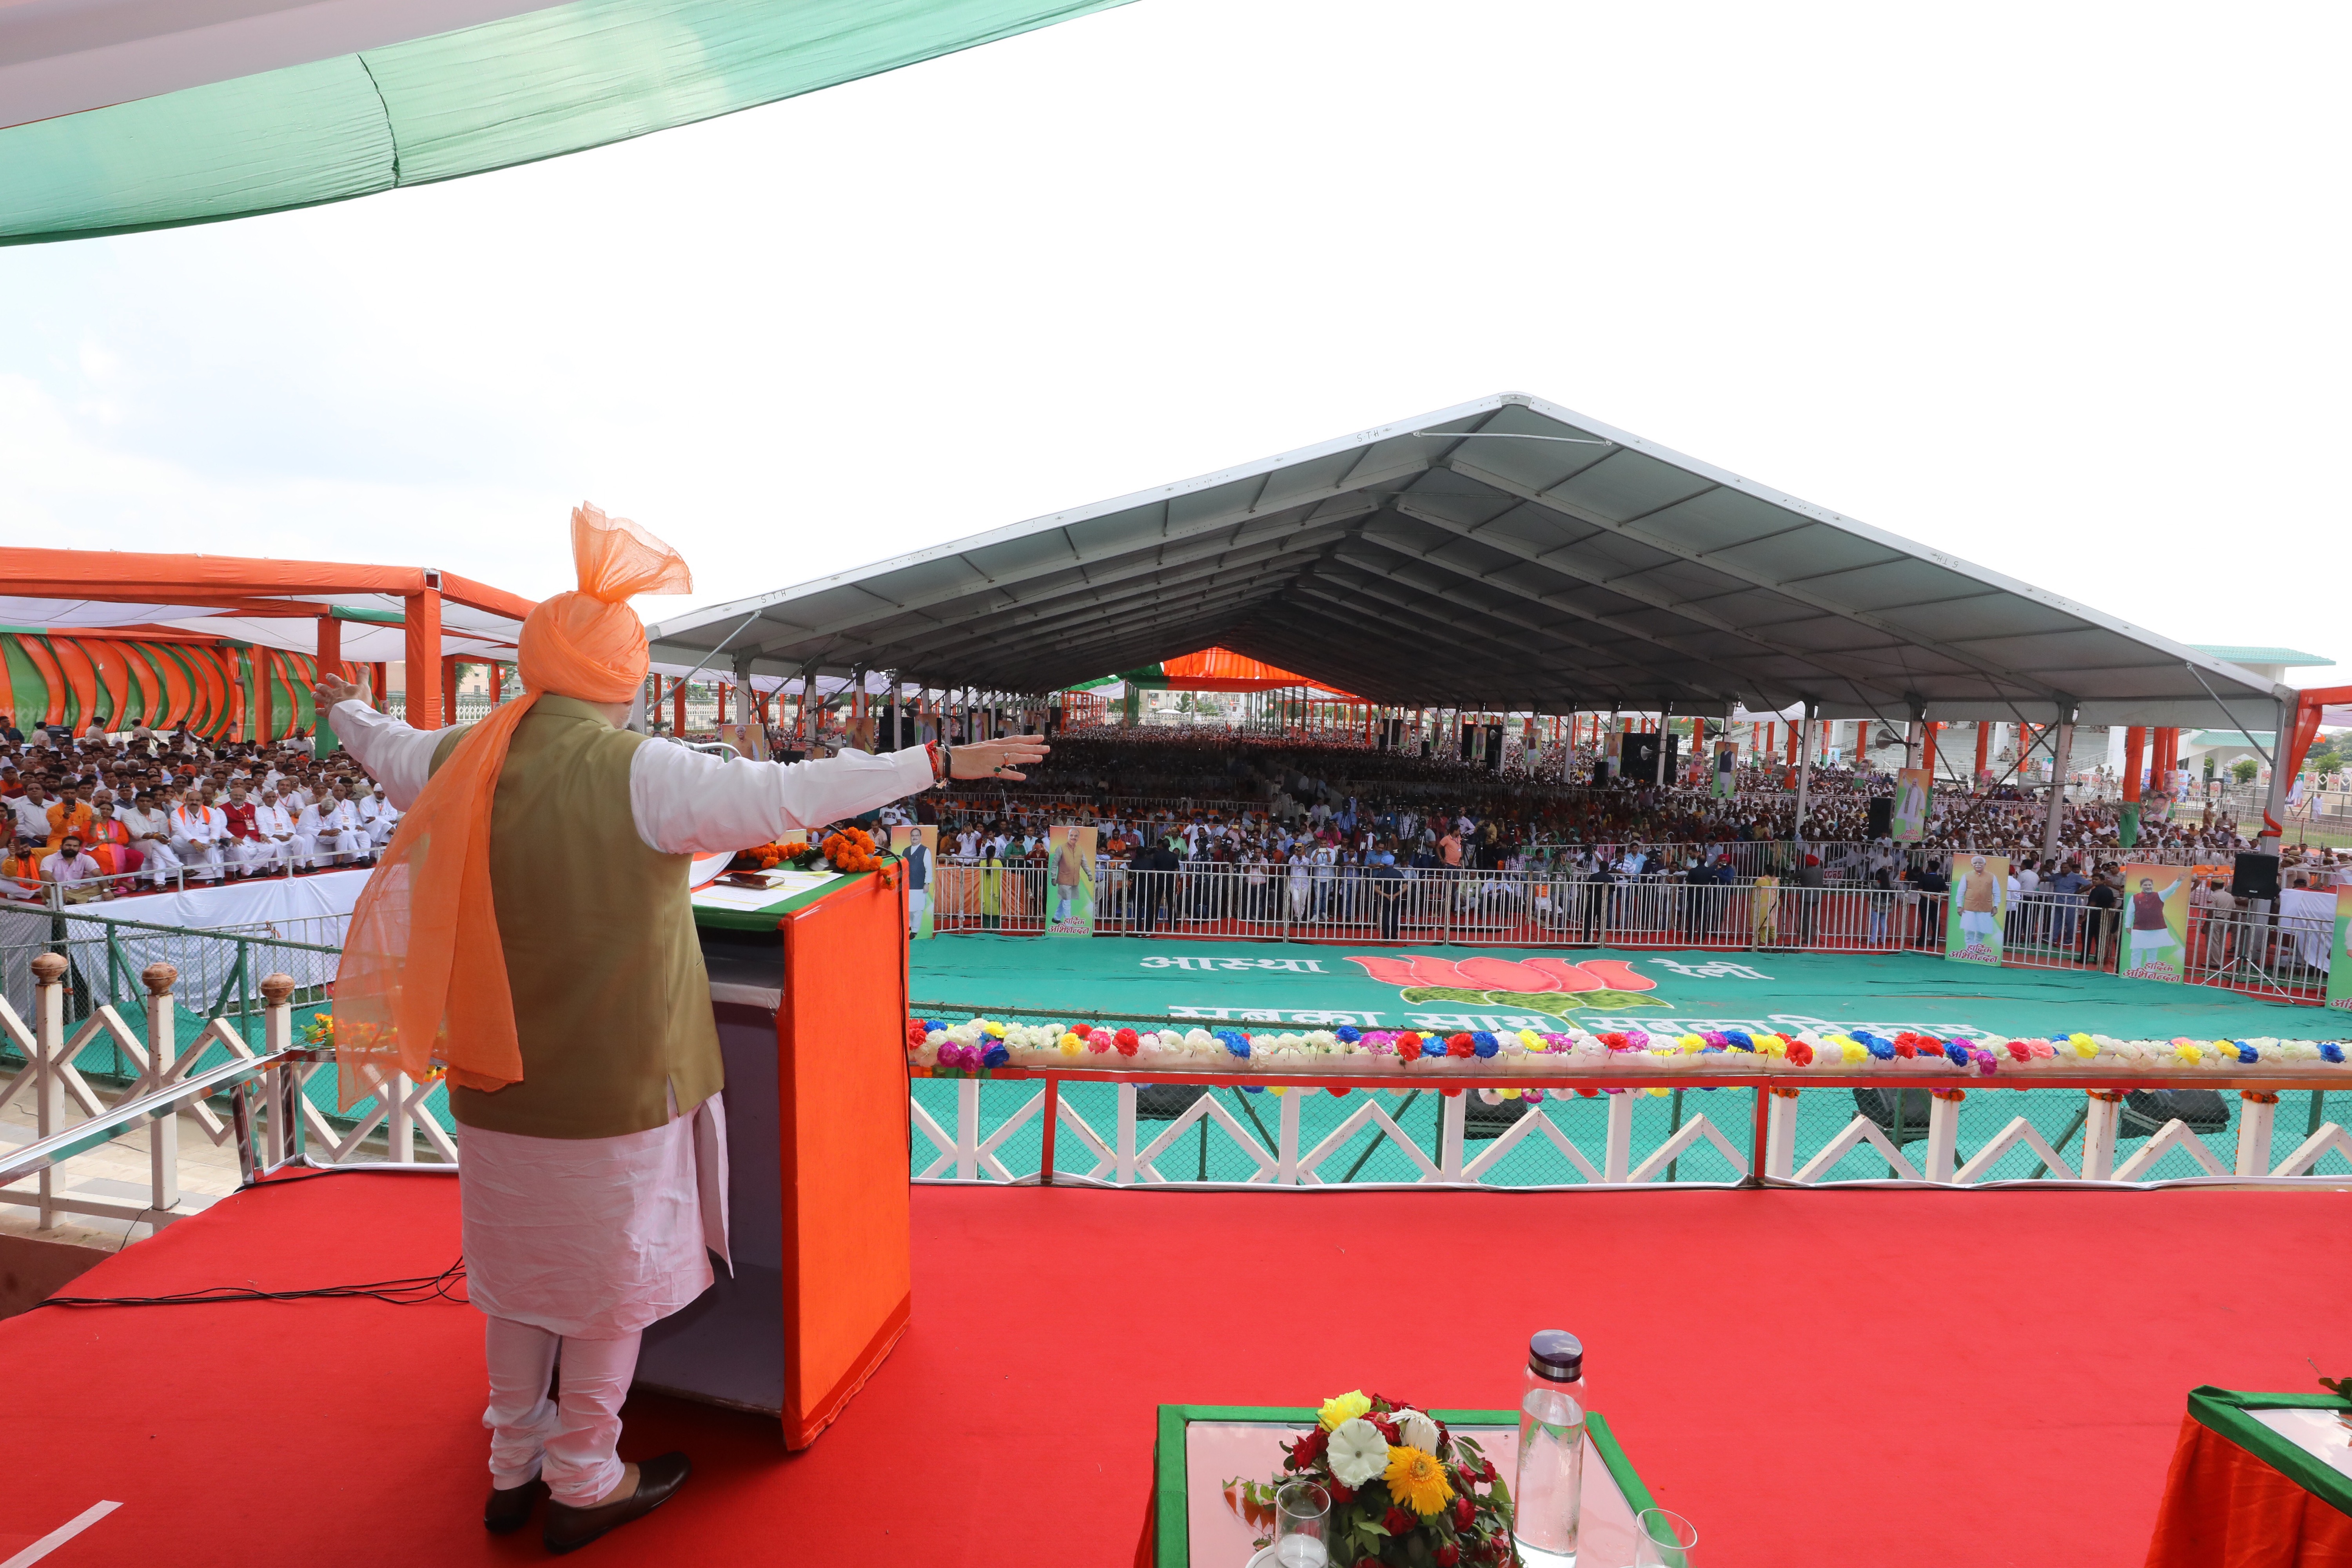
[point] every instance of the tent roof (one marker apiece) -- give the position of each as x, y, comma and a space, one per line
123, 116
1504, 554
276, 604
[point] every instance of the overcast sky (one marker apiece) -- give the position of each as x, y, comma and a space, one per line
2058, 289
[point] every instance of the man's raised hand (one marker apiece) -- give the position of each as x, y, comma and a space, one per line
999, 759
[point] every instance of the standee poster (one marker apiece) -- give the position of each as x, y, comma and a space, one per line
1070, 880
1976, 909
2154, 944
917, 844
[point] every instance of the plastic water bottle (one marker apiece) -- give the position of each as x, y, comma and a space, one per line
1549, 1497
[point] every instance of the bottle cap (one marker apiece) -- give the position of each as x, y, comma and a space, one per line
1557, 1354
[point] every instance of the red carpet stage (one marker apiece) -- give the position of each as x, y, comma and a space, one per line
1872, 1377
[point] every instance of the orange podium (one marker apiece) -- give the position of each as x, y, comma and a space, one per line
808, 990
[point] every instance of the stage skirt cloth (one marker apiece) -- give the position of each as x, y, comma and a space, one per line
594, 1238
2226, 1508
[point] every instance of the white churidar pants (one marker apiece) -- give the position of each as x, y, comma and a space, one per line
582, 1241
571, 1440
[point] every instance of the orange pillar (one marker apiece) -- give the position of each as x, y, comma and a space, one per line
678, 706
262, 717
1927, 753
382, 683
423, 651
331, 646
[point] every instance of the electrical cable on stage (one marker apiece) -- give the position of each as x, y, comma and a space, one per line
416, 1290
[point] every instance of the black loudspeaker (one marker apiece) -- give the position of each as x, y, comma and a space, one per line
1428, 747
1637, 758
2255, 876
1493, 748
1882, 817
1469, 743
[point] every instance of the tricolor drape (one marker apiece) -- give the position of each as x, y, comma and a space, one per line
209, 685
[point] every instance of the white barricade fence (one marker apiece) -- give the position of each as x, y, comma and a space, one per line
1106, 1129
225, 1060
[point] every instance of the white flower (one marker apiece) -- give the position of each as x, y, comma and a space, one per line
1417, 1430
1359, 1454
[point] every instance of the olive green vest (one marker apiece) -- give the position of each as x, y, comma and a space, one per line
612, 1006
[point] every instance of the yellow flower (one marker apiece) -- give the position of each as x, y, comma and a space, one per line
994, 1031
1416, 1480
1071, 1045
1343, 1407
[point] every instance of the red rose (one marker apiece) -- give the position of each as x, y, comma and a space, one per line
1125, 1041
1400, 1522
1309, 1449
1906, 1049
1341, 1492
1461, 1045
1463, 1511
1408, 1047
1800, 1054
1448, 1555
1387, 1425
1490, 1476
915, 1034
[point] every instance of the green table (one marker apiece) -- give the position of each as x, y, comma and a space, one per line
1199, 1447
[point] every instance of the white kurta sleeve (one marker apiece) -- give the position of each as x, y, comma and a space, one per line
396, 756
687, 802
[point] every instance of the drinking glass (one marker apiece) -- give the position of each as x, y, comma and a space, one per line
1302, 1510
1663, 1539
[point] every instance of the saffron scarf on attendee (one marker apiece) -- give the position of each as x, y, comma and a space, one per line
422, 981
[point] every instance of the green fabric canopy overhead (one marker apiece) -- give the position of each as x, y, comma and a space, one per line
505, 92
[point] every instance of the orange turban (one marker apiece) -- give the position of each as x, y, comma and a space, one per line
403, 998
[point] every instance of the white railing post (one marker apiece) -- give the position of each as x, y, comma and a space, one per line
1943, 1132
2100, 1114
1126, 1134
1780, 1134
1617, 1152
48, 1069
397, 1129
2255, 1119
1285, 1154
967, 1129
162, 1055
1452, 1128
282, 1091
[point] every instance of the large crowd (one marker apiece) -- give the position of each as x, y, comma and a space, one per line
98, 816
1274, 800
101, 815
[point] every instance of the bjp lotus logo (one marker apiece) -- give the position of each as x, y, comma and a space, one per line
1544, 984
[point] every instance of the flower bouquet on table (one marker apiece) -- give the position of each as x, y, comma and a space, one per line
1406, 1491
851, 849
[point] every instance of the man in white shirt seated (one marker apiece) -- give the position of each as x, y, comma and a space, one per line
378, 817
32, 809
197, 833
151, 833
271, 847
324, 838
80, 876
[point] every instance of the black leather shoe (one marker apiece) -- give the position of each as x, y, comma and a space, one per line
570, 1528
509, 1508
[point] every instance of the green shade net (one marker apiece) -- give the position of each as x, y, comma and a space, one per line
534, 86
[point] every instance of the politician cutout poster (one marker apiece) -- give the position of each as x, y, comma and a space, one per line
2339, 968
1976, 908
1727, 769
918, 844
1909, 822
2156, 924
1070, 879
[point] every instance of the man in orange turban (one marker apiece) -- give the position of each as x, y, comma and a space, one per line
528, 931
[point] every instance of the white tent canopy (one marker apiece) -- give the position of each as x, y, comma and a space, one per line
1507, 554
372, 629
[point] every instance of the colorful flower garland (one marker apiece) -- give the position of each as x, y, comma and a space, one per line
936, 1048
